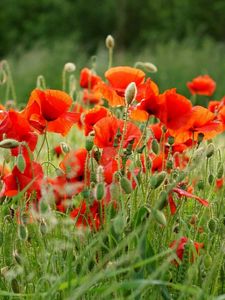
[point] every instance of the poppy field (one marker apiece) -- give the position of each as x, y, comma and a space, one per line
112, 188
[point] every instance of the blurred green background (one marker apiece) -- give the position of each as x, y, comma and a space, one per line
184, 38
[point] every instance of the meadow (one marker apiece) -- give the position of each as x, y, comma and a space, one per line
111, 180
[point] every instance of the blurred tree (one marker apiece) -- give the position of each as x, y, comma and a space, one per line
134, 23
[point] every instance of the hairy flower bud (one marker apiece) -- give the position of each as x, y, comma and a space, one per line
9, 143
109, 42
130, 93
69, 67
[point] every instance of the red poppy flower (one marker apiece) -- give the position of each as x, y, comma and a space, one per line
119, 78
150, 103
89, 216
182, 193
48, 110
175, 110
202, 85
17, 181
73, 165
57, 150
92, 116
63, 191
88, 79
201, 120
91, 97
15, 126
179, 246
107, 128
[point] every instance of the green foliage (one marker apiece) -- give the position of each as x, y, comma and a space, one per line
25, 23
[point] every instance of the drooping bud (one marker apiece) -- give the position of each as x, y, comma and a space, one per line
212, 225
109, 42
130, 93
159, 216
100, 191
100, 174
210, 150
65, 147
200, 137
157, 180
155, 146
207, 260
125, 185
9, 143
219, 170
161, 202
210, 179
22, 232
21, 163
149, 67
69, 67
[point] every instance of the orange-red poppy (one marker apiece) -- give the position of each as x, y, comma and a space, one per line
149, 102
179, 245
118, 80
107, 129
202, 85
48, 111
201, 120
92, 116
15, 126
176, 109
73, 164
88, 79
17, 181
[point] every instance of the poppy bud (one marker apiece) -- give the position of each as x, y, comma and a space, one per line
212, 225
9, 144
157, 180
219, 170
207, 260
210, 179
200, 137
43, 228
118, 224
65, 147
22, 232
43, 207
200, 184
169, 164
155, 146
89, 143
21, 163
210, 150
161, 202
109, 42
114, 191
100, 174
125, 185
149, 67
100, 191
159, 216
130, 93
69, 67
170, 140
